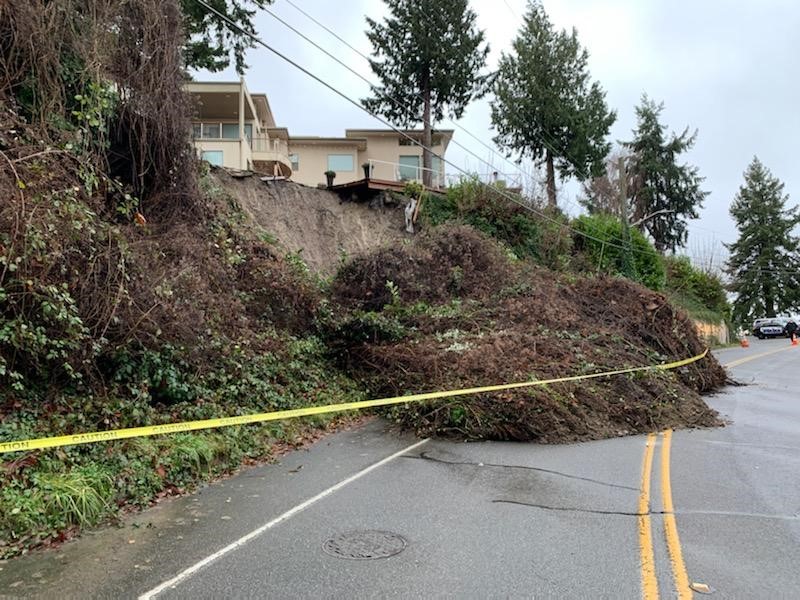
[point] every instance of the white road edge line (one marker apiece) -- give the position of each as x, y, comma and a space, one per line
287, 515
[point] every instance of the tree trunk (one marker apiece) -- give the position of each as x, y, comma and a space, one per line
427, 138
551, 181
769, 301
627, 253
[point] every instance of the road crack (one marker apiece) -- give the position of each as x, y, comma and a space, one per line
593, 511
426, 456
622, 513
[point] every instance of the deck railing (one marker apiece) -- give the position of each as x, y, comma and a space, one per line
382, 169
265, 144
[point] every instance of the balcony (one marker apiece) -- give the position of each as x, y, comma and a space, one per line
271, 156
219, 143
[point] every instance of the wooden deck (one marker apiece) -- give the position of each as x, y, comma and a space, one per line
364, 189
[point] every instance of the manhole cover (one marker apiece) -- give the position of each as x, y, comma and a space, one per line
364, 545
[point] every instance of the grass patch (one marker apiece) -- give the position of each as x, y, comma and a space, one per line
695, 308
51, 501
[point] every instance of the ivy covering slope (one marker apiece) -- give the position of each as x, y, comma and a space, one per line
106, 322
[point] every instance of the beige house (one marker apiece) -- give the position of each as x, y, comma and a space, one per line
236, 129
389, 155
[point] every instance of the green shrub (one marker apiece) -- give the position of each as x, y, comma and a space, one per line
40, 338
603, 245
700, 293
368, 327
163, 373
188, 456
491, 210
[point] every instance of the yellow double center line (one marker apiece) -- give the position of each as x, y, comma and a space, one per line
741, 361
670, 526
679, 573
649, 579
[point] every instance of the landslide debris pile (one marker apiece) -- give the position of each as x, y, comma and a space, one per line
452, 310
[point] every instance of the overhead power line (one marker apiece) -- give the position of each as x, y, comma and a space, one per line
404, 134
396, 102
393, 100
550, 143
511, 10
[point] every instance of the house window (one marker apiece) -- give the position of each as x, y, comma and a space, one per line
404, 141
341, 162
409, 168
213, 156
197, 131
295, 160
230, 131
211, 131
436, 165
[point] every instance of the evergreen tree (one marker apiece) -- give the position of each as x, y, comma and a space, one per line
545, 106
210, 41
663, 193
428, 55
764, 265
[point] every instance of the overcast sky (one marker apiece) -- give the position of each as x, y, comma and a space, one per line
725, 67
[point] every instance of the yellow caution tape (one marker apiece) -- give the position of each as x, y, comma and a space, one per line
121, 434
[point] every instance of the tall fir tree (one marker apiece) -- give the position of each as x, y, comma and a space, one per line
663, 193
428, 56
545, 107
210, 42
764, 265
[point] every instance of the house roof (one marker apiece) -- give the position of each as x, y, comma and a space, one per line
391, 132
215, 99
278, 132
261, 101
442, 136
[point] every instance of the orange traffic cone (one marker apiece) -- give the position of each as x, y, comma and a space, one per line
794, 340
745, 343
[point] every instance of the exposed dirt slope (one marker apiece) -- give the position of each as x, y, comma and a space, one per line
315, 222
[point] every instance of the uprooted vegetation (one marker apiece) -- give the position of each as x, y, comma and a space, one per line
488, 321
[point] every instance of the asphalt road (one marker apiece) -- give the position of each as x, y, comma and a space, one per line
608, 519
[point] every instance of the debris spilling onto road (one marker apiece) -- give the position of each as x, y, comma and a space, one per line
436, 314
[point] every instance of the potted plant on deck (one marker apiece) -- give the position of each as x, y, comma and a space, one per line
330, 176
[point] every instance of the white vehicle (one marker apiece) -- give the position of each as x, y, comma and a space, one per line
757, 323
